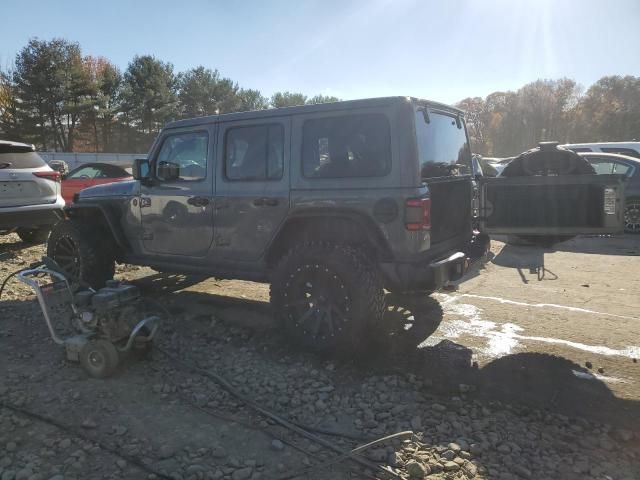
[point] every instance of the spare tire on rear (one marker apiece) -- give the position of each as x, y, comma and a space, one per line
548, 159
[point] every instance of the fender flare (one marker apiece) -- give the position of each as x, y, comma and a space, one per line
376, 239
108, 216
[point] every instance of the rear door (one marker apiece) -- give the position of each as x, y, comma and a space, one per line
252, 186
552, 205
25, 178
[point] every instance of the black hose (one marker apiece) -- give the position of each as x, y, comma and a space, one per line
4, 283
76, 433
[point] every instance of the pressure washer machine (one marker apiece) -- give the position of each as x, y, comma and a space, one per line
98, 328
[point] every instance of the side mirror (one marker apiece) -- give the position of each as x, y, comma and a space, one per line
140, 169
168, 171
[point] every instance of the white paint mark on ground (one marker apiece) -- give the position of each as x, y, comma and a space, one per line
503, 339
545, 305
597, 376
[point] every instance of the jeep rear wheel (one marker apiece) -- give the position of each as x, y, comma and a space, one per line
82, 252
326, 295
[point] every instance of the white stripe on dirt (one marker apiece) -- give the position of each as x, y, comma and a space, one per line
541, 305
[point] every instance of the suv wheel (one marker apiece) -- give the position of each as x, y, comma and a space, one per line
326, 295
632, 216
33, 235
82, 252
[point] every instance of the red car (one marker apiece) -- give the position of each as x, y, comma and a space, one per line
91, 174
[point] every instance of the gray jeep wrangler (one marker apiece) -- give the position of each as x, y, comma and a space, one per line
330, 203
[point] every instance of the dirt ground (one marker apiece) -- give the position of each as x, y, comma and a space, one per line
528, 370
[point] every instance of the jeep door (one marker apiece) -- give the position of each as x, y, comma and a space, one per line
552, 205
176, 204
252, 186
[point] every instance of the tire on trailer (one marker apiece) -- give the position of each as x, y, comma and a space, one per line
547, 159
82, 251
326, 296
35, 235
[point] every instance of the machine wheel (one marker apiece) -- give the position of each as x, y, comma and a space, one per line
82, 252
99, 358
326, 295
33, 235
632, 215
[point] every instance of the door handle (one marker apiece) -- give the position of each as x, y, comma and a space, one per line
266, 202
198, 201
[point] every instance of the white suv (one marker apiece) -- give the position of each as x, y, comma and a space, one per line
30, 193
631, 149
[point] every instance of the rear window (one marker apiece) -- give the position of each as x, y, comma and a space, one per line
347, 146
443, 149
21, 160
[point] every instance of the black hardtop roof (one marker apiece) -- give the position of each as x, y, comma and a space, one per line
302, 109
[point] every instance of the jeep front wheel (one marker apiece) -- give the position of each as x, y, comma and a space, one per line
82, 251
326, 295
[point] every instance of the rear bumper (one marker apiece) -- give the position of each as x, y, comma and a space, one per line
435, 274
31, 215
426, 276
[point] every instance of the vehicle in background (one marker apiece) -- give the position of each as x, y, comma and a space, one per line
91, 174
631, 149
610, 163
30, 193
60, 166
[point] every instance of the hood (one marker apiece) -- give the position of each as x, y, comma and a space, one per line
125, 188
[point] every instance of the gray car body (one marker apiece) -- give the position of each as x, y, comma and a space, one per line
239, 229
233, 237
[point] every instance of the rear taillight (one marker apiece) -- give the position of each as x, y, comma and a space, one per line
417, 214
53, 176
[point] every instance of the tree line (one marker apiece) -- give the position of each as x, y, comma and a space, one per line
59, 99
507, 123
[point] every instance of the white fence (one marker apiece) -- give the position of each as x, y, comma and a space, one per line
74, 159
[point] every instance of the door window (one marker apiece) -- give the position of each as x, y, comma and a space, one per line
183, 156
84, 173
607, 167
254, 153
346, 146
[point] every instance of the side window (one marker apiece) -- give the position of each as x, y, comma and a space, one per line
84, 173
346, 146
183, 156
254, 153
580, 149
602, 167
621, 169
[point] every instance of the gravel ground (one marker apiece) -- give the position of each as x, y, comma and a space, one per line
183, 425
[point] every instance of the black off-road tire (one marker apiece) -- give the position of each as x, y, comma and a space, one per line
83, 251
356, 297
99, 358
631, 220
34, 235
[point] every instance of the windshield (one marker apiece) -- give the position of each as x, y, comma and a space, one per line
443, 148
